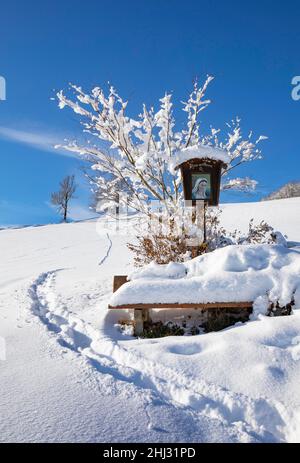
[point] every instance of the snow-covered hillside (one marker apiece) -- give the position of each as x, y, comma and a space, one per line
70, 375
282, 214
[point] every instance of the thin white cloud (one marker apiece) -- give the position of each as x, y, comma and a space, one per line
4, 203
77, 211
80, 212
43, 141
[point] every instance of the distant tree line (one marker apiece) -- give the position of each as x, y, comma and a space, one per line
289, 190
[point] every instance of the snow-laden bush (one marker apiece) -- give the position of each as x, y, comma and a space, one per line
135, 158
261, 233
160, 248
166, 246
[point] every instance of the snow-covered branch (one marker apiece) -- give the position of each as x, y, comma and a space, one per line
136, 156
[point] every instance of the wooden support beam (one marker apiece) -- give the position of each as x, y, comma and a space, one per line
210, 305
138, 322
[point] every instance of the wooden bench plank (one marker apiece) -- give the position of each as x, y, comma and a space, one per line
210, 305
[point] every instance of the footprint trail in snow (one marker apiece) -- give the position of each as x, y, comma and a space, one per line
260, 419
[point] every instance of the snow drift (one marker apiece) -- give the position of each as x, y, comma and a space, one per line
200, 151
231, 274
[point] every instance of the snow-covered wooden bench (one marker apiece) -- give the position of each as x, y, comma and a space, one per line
141, 310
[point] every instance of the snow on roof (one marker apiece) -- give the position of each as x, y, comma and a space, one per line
236, 273
200, 152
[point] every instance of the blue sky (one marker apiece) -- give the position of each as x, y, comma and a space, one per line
144, 48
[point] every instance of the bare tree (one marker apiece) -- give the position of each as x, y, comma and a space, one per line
62, 197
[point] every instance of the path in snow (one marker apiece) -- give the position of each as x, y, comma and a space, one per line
70, 376
164, 422
261, 419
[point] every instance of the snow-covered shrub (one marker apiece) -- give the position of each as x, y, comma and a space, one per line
261, 233
276, 310
218, 319
263, 306
134, 160
216, 235
161, 249
166, 246
161, 330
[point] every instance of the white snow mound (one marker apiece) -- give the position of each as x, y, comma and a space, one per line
199, 151
231, 274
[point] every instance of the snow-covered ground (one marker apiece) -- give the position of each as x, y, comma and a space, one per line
282, 214
70, 376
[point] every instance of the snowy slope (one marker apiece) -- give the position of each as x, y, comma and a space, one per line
282, 214
69, 375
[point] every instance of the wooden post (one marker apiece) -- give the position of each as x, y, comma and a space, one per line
140, 316
199, 218
204, 222
138, 322
119, 280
